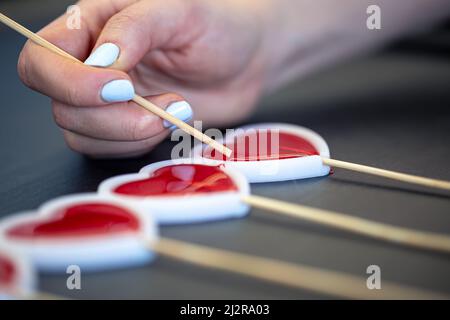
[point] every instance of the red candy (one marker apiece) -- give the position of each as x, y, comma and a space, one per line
251, 147
7, 272
79, 220
180, 180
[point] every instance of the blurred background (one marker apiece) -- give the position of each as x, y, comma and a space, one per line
390, 108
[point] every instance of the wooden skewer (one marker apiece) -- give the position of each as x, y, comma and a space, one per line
428, 182
44, 296
283, 273
404, 236
35, 295
182, 125
35, 38
288, 274
137, 99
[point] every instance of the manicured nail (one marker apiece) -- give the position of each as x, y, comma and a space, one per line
181, 110
117, 90
103, 56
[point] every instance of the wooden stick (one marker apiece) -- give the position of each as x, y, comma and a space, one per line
137, 99
404, 236
35, 38
35, 295
43, 296
287, 274
283, 273
428, 182
182, 125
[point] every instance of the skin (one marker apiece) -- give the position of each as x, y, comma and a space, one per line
220, 56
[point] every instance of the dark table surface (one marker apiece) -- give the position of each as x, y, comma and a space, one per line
390, 109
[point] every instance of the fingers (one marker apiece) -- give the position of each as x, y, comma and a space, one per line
67, 81
124, 122
70, 82
118, 131
92, 16
98, 148
128, 35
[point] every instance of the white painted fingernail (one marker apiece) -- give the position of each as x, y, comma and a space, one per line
117, 90
103, 56
181, 110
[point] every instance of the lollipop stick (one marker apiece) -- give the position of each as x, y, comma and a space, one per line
36, 295
137, 99
288, 274
43, 296
182, 125
408, 237
433, 183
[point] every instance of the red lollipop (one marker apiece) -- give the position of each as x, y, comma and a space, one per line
174, 193
271, 152
17, 277
182, 191
86, 230
98, 233
276, 152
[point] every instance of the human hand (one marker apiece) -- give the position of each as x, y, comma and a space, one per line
209, 51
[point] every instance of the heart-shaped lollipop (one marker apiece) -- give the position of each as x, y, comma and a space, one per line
186, 191
17, 277
182, 191
277, 152
272, 152
99, 233
85, 230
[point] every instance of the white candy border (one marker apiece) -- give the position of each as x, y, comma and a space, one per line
91, 253
26, 275
281, 169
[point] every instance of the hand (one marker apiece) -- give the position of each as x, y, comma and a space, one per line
211, 52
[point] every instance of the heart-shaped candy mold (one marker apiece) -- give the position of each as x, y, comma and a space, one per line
90, 231
17, 276
271, 152
78, 220
182, 191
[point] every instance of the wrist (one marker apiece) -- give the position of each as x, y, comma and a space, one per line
303, 36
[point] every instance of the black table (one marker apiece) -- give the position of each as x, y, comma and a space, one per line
389, 110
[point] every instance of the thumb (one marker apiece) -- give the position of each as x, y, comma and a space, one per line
131, 33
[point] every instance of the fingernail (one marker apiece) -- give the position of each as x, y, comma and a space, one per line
117, 90
103, 56
181, 110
